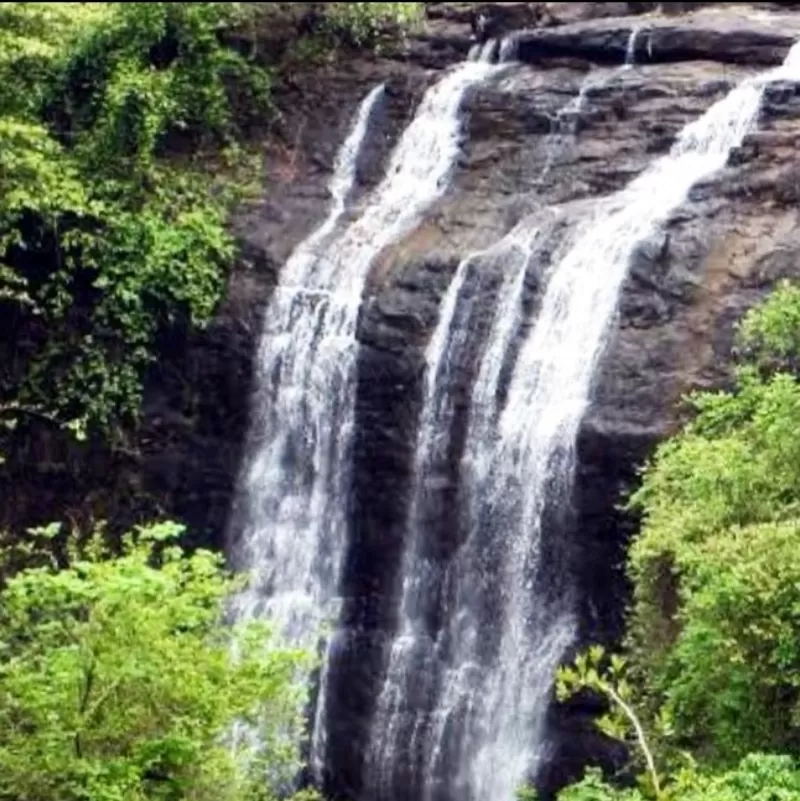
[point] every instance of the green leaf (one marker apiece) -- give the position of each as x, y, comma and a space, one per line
114, 669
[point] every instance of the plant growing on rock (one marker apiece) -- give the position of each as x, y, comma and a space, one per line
596, 672
766, 777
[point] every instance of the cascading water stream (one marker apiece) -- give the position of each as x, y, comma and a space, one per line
290, 305
247, 604
630, 49
411, 660
510, 617
290, 516
565, 121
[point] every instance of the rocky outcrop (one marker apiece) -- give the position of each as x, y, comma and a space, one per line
733, 38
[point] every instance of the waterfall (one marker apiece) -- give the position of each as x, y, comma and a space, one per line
565, 122
492, 50
486, 672
630, 49
290, 516
416, 648
530, 464
413, 654
258, 508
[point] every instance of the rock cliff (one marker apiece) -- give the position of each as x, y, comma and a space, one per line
526, 148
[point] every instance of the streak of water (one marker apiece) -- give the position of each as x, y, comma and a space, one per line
291, 509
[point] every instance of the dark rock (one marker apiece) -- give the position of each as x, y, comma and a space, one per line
727, 41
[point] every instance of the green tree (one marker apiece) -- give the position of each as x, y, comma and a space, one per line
596, 672
364, 22
769, 334
119, 684
715, 627
716, 620
103, 241
732, 678
759, 777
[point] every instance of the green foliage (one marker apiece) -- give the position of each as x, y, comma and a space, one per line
119, 683
593, 670
364, 22
112, 226
715, 628
770, 332
759, 777
102, 242
733, 674
716, 622
594, 788
606, 675
526, 793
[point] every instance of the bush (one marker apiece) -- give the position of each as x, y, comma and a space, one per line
759, 777
118, 682
715, 624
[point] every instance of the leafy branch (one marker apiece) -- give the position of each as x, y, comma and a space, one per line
593, 671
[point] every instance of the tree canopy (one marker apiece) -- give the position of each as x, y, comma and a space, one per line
120, 683
710, 681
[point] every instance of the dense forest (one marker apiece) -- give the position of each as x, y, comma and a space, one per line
127, 134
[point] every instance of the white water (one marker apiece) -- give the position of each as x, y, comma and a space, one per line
250, 603
630, 50
263, 505
510, 620
291, 509
415, 648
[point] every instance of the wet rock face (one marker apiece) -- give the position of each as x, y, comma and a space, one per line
528, 144
526, 148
